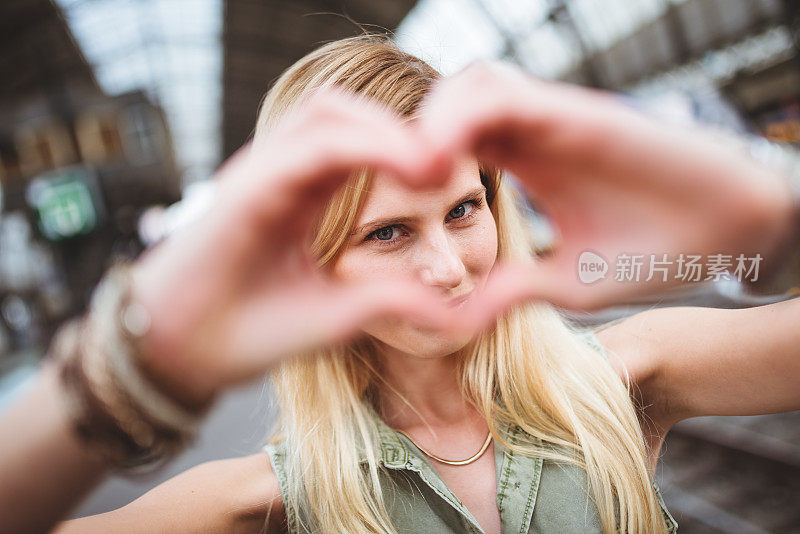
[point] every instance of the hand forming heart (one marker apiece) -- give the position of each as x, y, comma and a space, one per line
234, 294
614, 183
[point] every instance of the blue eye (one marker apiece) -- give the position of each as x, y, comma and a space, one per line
461, 210
384, 234
393, 234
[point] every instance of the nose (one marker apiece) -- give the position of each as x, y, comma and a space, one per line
440, 263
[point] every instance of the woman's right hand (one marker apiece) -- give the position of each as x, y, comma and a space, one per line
230, 296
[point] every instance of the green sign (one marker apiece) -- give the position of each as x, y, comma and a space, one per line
64, 205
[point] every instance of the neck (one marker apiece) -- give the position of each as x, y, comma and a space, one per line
429, 385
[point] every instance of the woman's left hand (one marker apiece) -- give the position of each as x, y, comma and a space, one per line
613, 182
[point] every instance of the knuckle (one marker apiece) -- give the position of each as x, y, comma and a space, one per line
483, 72
320, 105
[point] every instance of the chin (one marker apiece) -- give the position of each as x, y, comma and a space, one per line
422, 343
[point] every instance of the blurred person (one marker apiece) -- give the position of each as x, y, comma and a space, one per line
379, 433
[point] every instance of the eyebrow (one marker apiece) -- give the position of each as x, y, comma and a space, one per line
392, 221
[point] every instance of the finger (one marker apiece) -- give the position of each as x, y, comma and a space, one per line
322, 315
410, 157
235, 161
407, 301
320, 169
401, 154
298, 321
509, 285
497, 112
298, 178
514, 284
461, 110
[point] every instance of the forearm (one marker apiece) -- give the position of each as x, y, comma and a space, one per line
45, 468
239, 495
727, 362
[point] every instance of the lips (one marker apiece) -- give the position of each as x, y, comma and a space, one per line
459, 301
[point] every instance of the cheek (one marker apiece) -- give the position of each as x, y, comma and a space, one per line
345, 268
481, 247
478, 246
357, 264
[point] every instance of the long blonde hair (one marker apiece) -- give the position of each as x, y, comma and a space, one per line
532, 369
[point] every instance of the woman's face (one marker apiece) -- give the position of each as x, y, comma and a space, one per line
445, 238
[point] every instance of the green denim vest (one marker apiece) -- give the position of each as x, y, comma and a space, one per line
533, 495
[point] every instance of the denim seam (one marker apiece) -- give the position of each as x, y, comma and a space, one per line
505, 473
278, 467
455, 504
532, 494
672, 525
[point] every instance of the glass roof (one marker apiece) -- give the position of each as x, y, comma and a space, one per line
522, 31
550, 37
172, 50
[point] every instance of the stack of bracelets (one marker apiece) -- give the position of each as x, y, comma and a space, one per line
115, 408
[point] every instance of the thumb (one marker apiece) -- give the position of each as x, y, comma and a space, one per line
513, 283
403, 300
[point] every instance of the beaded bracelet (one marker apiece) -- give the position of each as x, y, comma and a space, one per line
115, 408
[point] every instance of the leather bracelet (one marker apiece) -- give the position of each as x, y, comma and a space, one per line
125, 326
115, 408
91, 418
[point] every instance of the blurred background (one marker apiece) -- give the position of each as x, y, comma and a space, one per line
115, 113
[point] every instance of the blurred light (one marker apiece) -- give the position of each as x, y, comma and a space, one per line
158, 222
550, 41
16, 313
449, 34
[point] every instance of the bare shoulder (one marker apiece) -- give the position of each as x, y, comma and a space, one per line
634, 346
630, 345
234, 495
641, 346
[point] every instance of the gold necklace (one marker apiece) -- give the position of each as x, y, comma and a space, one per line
468, 461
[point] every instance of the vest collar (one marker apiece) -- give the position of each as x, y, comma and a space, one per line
392, 451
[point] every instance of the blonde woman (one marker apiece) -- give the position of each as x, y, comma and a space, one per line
400, 427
